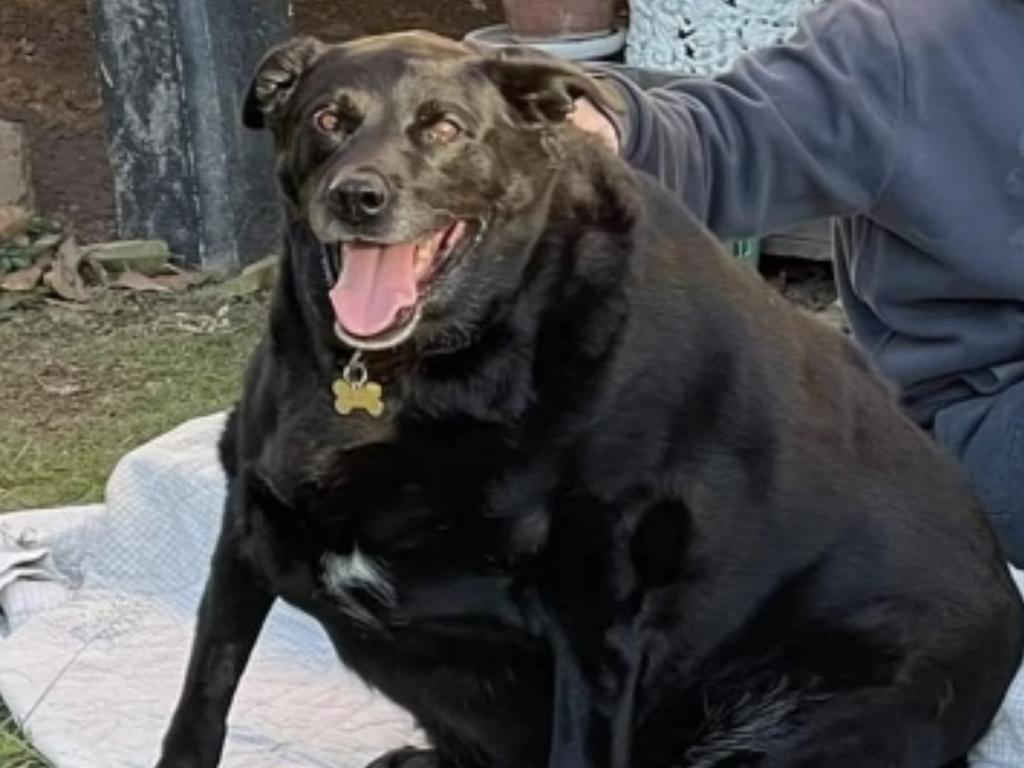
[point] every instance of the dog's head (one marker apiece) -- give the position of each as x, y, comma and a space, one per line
403, 153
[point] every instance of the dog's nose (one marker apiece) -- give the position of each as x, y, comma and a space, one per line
359, 196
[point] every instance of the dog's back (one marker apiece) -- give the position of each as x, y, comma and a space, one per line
810, 494
820, 539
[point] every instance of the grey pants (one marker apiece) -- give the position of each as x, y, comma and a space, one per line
986, 434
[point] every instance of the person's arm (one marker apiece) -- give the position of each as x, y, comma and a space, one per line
790, 133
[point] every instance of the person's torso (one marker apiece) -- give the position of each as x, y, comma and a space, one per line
933, 276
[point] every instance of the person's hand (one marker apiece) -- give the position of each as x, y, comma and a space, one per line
586, 116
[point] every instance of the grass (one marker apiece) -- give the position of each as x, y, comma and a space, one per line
80, 387
15, 751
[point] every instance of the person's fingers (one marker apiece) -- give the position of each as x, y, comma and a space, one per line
589, 118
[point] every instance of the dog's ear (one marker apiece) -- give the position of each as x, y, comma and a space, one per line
276, 78
543, 88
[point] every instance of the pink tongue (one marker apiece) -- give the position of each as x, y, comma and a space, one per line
377, 282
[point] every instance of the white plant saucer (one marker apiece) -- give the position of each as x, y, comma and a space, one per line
574, 48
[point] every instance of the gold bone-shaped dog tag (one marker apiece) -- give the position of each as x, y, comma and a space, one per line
349, 397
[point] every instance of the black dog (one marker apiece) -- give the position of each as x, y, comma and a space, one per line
557, 476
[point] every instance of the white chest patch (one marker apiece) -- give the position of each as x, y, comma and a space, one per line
344, 573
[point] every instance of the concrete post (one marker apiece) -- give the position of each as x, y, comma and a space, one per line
173, 75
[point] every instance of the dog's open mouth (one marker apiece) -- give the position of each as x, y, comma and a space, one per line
381, 287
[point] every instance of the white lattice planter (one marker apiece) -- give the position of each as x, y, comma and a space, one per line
702, 37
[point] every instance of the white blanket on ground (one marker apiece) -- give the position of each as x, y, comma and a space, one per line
94, 679
97, 636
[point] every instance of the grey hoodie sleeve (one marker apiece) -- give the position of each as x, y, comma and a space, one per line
790, 133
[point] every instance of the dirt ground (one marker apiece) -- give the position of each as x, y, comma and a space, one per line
48, 82
335, 19
82, 384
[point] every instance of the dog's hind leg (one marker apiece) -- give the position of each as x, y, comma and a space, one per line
588, 616
231, 615
900, 726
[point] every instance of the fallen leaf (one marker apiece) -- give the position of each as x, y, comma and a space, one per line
136, 281
44, 244
64, 279
13, 221
23, 280
94, 272
181, 279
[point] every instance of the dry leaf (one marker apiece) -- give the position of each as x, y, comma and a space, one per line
136, 281
94, 272
45, 261
39, 248
69, 254
13, 221
64, 279
181, 280
23, 280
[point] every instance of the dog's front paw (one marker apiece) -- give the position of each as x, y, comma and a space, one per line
179, 761
187, 758
408, 757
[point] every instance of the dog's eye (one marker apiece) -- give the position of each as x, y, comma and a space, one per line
327, 120
441, 131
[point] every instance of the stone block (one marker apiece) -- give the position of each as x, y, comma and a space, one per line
15, 181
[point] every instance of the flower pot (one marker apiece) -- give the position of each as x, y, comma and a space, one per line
539, 19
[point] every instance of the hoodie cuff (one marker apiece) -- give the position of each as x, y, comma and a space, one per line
623, 122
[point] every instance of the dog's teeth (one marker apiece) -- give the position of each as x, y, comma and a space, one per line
422, 259
419, 262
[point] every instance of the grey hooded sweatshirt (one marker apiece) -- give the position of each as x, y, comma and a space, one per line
906, 119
